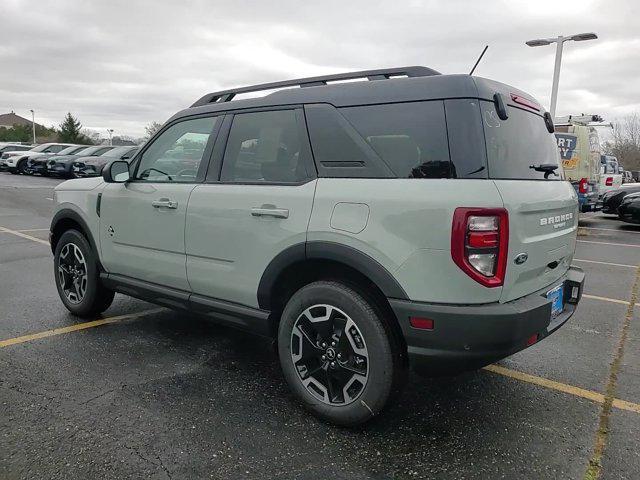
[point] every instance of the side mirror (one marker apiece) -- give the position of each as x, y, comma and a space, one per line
116, 172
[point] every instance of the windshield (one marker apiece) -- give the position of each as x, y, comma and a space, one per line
116, 152
41, 148
70, 150
518, 144
91, 150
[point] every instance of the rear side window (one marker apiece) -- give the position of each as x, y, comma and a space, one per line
411, 138
264, 147
517, 144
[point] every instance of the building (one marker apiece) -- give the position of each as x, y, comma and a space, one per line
8, 120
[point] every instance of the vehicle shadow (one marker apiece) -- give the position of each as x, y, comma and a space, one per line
231, 382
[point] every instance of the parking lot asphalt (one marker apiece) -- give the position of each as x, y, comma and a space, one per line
151, 393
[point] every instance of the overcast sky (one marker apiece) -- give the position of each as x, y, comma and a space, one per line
122, 64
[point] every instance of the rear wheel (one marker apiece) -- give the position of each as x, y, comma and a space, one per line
337, 353
78, 277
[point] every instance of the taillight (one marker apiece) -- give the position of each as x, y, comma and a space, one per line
582, 186
609, 182
480, 243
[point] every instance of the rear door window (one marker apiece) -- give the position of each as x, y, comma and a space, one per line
517, 144
265, 147
411, 138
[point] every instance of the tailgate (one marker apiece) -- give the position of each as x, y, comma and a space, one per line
543, 221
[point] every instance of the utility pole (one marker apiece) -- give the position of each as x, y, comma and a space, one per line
559, 41
33, 125
110, 130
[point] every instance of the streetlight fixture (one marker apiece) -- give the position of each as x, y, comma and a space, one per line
33, 125
110, 130
559, 41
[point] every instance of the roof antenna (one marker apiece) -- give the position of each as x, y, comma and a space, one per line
478, 61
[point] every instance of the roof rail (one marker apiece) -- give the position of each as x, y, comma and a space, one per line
380, 74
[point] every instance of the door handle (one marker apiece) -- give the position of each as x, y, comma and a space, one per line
164, 203
270, 211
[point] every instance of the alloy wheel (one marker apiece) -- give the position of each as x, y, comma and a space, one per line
330, 355
72, 273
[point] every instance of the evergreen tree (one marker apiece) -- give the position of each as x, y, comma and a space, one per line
69, 131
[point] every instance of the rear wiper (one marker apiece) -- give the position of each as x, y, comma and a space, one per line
547, 168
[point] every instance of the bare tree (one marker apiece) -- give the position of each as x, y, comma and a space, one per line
625, 142
151, 129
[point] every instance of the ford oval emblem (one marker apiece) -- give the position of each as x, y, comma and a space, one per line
520, 258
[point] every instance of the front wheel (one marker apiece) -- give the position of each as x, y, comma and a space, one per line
78, 277
337, 353
23, 168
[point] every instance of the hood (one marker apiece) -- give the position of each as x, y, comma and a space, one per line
80, 184
63, 158
22, 153
99, 160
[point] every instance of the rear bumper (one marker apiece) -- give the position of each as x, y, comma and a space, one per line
467, 337
589, 202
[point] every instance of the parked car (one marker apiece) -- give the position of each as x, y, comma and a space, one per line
14, 147
62, 166
92, 166
627, 177
39, 164
610, 174
612, 200
629, 209
367, 226
16, 160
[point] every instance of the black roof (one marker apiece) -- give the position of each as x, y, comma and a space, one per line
401, 84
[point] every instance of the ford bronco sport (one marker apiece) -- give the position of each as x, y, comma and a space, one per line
410, 219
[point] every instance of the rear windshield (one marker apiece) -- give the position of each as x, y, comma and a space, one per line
517, 144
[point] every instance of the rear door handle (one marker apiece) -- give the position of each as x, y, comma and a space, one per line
267, 211
164, 203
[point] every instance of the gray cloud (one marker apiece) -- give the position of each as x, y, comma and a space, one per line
122, 64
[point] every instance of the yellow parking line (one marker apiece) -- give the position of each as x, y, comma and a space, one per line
74, 328
605, 299
605, 263
561, 387
545, 382
611, 230
24, 235
624, 405
610, 243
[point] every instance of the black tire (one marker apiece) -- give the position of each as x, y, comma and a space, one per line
22, 168
384, 360
95, 298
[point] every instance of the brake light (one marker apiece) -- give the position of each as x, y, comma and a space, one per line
525, 102
609, 182
582, 186
480, 243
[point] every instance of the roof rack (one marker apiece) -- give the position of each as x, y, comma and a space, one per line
380, 74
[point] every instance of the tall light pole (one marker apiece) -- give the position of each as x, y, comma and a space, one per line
110, 130
33, 125
559, 41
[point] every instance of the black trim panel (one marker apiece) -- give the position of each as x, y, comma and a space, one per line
246, 318
294, 254
362, 262
322, 250
65, 214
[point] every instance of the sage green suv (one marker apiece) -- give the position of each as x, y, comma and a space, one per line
410, 219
